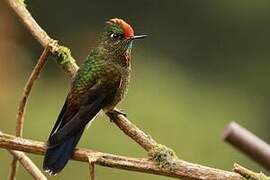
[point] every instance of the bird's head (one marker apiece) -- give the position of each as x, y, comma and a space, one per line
118, 36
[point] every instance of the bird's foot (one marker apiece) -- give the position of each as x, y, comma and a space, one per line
114, 113
120, 111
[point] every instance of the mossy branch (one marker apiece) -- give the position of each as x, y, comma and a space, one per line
248, 174
65, 60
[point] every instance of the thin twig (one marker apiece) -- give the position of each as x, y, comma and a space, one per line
248, 143
28, 165
27, 89
248, 174
92, 171
182, 169
92, 160
23, 103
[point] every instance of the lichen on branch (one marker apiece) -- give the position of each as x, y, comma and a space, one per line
248, 174
163, 156
64, 59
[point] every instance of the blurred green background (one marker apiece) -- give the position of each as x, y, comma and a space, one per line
204, 64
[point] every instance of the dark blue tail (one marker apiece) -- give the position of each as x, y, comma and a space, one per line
57, 156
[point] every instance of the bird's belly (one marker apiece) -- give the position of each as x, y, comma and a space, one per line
119, 95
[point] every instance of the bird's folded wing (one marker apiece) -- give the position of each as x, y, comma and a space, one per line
59, 119
90, 104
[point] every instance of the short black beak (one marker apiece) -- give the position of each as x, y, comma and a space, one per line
138, 37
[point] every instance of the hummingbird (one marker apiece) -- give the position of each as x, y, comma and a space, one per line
100, 84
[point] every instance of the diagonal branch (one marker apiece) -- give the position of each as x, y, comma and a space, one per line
28, 165
182, 169
144, 140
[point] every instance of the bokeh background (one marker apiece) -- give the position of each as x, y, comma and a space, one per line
204, 64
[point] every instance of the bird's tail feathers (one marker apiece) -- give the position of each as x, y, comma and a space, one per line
58, 155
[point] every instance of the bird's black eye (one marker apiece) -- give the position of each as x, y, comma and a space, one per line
116, 35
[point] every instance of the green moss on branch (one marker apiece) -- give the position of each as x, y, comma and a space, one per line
248, 174
164, 156
65, 60
22, 2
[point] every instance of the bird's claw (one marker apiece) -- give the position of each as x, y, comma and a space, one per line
114, 113
120, 111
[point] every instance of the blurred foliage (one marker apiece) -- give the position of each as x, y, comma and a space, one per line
204, 64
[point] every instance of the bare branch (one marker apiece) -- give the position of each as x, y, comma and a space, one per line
248, 143
92, 160
27, 89
182, 169
92, 171
13, 168
132, 131
23, 104
28, 165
